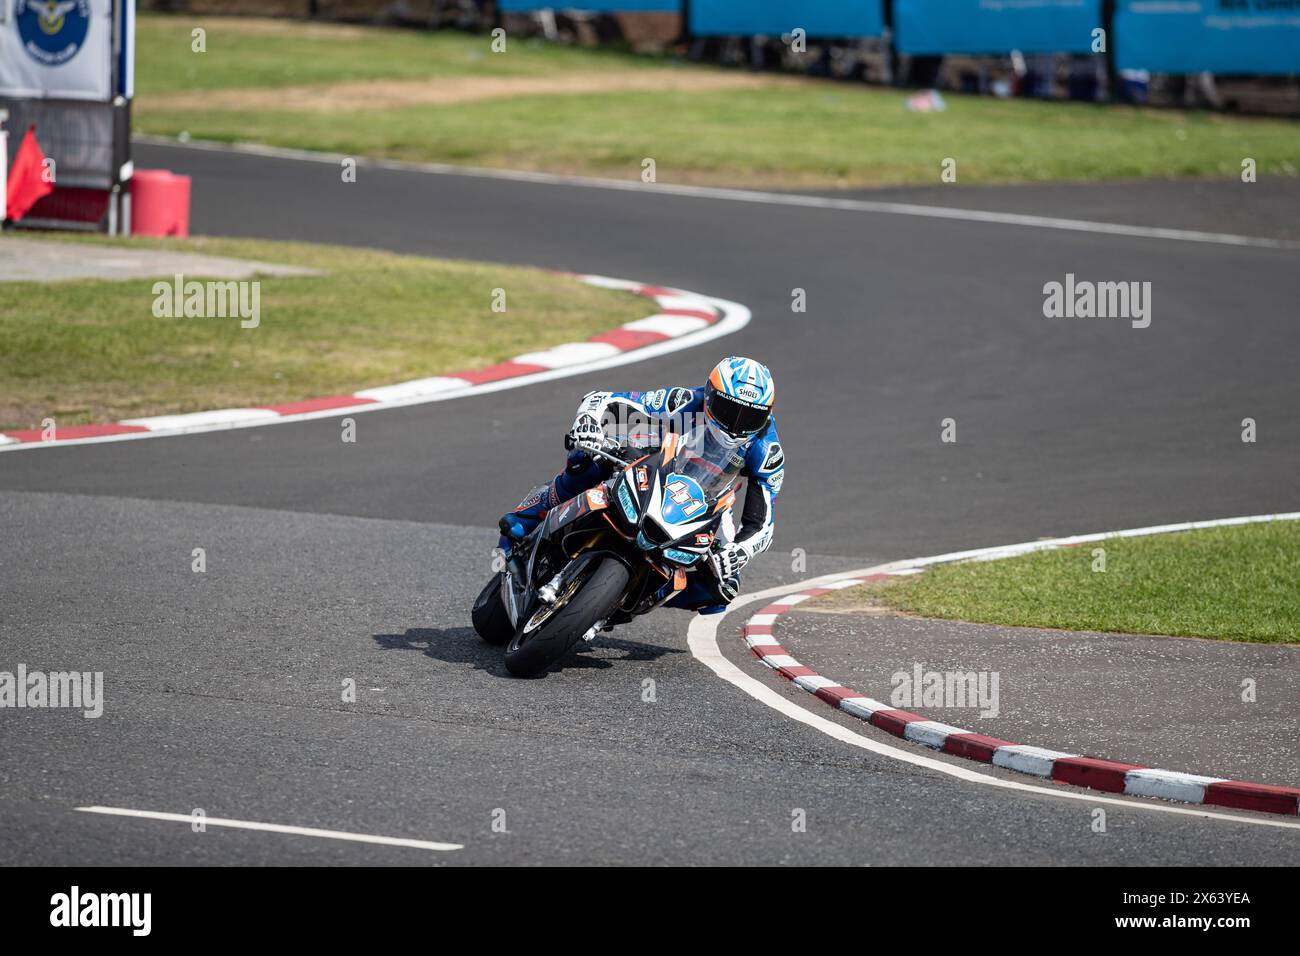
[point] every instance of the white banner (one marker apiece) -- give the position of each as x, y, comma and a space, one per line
56, 48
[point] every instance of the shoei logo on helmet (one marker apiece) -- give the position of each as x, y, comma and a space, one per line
748, 393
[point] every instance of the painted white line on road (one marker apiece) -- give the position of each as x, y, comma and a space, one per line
702, 639
918, 210
272, 828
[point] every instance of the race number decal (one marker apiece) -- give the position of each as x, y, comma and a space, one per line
684, 499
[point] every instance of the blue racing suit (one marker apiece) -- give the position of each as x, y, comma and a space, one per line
764, 469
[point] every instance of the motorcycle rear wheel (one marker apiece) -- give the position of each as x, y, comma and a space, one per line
532, 652
489, 614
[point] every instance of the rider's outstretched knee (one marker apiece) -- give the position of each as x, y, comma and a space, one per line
705, 594
580, 473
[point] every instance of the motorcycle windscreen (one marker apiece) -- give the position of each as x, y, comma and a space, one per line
701, 471
707, 465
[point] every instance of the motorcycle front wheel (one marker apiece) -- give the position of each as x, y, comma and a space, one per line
555, 628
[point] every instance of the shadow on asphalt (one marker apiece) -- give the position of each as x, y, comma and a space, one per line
461, 645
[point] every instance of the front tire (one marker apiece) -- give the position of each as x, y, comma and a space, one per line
530, 653
490, 617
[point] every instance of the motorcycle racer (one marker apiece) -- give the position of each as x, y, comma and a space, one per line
736, 405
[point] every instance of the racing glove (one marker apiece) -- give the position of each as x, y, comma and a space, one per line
586, 433
728, 561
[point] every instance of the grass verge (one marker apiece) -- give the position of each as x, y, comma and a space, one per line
93, 351
1237, 583
250, 52
773, 131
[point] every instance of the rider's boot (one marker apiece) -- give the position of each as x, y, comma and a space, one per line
515, 525
581, 473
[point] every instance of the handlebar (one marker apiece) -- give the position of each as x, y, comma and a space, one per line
608, 450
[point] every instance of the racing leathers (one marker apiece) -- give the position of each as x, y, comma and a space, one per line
660, 409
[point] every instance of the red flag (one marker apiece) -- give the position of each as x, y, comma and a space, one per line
27, 182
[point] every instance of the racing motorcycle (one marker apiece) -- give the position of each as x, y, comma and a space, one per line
614, 552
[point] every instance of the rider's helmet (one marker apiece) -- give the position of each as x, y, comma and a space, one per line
738, 398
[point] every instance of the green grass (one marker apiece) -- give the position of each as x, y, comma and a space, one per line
1236, 583
243, 53
92, 351
799, 135
776, 137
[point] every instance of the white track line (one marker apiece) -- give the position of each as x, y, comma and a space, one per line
919, 210
272, 828
702, 638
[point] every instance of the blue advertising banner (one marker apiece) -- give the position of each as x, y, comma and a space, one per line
817, 18
1221, 36
592, 6
995, 26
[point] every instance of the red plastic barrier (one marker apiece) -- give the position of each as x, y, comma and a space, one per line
160, 203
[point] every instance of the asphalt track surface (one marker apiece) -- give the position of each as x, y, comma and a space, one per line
329, 561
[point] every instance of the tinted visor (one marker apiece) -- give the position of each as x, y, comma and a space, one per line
736, 417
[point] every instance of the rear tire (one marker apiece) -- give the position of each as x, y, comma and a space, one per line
489, 614
530, 654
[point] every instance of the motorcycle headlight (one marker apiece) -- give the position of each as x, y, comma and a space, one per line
681, 557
